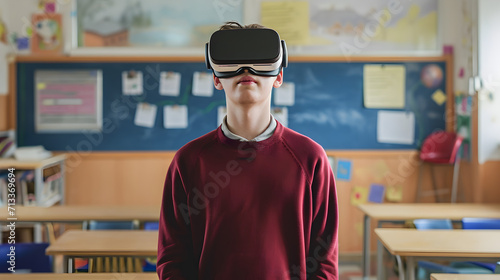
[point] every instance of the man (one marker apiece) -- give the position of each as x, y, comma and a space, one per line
251, 199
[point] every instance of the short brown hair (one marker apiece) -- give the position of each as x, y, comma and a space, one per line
235, 25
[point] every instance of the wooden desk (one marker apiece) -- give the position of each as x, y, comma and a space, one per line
439, 276
80, 276
30, 164
412, 244
67, 213
400, 212
100, 243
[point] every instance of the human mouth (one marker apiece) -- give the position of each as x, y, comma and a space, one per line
247, 80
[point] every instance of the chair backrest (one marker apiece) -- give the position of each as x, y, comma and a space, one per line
425, 224
29, 257
103, 225
441, 147
480, 223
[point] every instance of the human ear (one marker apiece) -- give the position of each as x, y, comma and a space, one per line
279, 80
217, 83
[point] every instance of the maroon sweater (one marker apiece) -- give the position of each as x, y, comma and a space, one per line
249, 210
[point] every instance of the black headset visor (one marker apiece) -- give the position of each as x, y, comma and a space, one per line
230, 52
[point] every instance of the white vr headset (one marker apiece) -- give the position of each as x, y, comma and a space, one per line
260, 51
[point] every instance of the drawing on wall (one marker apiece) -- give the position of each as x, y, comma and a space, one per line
365, 27
150, 23
47, 33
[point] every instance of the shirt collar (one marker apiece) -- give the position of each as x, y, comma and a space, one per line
263, 136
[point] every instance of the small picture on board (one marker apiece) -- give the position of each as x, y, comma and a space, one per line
47, 33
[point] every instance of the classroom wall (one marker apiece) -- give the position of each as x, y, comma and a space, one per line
137, 178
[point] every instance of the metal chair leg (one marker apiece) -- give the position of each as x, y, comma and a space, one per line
454, 186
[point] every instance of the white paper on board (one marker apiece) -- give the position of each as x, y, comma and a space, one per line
203, 84
175, 116
396, 127
285, 95
145, 115
170, 83
281, 115
132, 82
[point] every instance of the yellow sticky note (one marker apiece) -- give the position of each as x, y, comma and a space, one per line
359, 195
41, 86
394, 193
384, 86
439, 97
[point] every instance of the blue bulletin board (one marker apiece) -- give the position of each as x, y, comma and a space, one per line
328, 106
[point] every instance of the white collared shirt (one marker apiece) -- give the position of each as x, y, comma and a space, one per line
263, 136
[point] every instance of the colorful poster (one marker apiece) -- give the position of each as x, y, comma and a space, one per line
344, 170
359, 195
394, 193
376, 193
47, 33
352, 27
68, 100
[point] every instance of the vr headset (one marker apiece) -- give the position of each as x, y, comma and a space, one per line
260, 51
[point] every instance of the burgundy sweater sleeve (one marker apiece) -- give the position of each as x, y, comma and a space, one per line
322, 261
175, 251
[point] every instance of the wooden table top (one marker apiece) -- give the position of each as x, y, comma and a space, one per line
68, 213
440, 243
80, 276
105, 243
442, 276
29, 164
409, 211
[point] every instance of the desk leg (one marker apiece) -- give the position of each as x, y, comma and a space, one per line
380, 261
70, 263
400, 268
366, 248
410, 262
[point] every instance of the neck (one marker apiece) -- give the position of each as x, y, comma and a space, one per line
249, 122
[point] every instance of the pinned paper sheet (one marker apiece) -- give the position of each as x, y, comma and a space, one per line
384, 86
376, 193
203, 84
221, 114
344, 170
359, 195
170, 83
331, 161
439, 97
175, 116
132, 82
396, 127
285, 95
394, 193
281, 115
145, 115
289, 18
